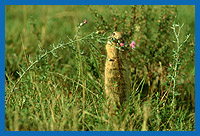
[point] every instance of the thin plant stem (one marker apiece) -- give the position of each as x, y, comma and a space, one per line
176, 58
39, 59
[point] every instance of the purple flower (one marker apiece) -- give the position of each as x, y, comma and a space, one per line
122, 44
132, 45
164, 17
85, 21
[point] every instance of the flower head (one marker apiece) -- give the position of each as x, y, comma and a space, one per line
164, 17
132, 45
85, 21
122, 44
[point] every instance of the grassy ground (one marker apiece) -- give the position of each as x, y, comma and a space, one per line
63, 90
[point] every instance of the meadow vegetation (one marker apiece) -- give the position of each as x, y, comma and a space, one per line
54, 68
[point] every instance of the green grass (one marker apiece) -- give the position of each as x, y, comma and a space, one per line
64, 89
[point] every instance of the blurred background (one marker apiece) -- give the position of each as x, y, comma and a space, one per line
28, 27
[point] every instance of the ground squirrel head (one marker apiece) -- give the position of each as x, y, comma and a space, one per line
117, 37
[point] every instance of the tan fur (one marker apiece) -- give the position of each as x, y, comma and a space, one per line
116, 72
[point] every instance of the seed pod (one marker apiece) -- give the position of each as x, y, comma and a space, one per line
116, 72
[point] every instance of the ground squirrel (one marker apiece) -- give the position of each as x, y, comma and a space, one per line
116, 70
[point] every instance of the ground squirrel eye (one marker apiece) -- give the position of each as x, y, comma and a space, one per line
113, 33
